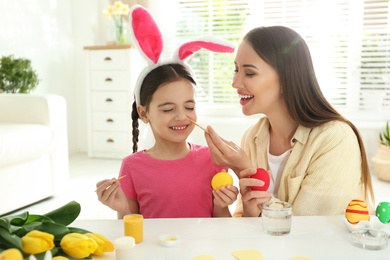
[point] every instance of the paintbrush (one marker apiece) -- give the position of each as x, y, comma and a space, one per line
120, 178
204, 129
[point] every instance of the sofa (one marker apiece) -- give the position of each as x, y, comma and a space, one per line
33, 149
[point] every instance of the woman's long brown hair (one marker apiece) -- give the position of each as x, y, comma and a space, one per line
287, 52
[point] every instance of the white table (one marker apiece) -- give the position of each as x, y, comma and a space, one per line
323, 237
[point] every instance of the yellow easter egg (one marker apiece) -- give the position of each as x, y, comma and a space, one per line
221, 179
357, 211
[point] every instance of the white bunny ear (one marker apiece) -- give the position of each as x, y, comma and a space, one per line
145, 34
210, 43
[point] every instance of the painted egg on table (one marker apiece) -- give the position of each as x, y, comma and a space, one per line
357, 211
383, 212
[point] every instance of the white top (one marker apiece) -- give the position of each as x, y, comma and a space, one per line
276, 165
314, 237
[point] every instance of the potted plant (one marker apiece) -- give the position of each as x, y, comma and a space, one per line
381, 160
17, 75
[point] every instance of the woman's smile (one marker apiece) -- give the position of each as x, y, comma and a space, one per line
245, 98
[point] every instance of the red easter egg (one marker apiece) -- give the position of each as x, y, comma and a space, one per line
262, 175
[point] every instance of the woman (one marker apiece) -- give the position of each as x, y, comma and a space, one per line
315, 157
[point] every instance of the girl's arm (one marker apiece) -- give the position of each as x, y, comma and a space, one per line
222, 199
109, 193
132, 208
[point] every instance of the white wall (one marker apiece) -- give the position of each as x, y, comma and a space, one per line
52, 33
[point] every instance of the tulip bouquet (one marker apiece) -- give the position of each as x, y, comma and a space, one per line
36, 234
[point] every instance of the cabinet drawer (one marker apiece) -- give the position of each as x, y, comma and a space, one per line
111, 101
110, 80
109, 60
111, 121
111, 142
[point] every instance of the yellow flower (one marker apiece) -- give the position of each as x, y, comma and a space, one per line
110, 10
106, 13
60, 258
104, 245
35, 242
11, 254
78, 245
118, 5
125, 10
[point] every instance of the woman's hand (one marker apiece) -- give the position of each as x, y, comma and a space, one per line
252, 199
109, 193
224, 155
224, 197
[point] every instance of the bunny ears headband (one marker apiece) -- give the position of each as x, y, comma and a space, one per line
148, 40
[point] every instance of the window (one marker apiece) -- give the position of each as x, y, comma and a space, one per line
349, 42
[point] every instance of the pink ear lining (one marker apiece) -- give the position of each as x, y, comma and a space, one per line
190, 48
147, 34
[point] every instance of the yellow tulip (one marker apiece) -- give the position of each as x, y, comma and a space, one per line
60, 258
78, 245
35, 242
11, 254
104, 245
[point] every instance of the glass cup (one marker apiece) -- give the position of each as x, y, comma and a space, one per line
276, 216
134, 226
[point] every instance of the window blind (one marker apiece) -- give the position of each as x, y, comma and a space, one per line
349, 42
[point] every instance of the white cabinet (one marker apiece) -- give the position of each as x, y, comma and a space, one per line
112, 73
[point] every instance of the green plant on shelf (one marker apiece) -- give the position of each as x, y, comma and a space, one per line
17, 75
384, 136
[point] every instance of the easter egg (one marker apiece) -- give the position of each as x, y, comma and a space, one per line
221, 179
262, 175
383, 212
357, 211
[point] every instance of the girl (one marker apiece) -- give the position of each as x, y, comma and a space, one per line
315, 157
173, 178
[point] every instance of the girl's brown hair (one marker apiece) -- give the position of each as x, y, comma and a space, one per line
159, 76
287, 52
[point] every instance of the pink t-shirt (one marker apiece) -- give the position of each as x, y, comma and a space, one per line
171, 188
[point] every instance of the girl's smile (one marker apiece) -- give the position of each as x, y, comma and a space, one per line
179, 128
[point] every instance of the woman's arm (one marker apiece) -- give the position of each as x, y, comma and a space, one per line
222, 155
251, 200
332, 179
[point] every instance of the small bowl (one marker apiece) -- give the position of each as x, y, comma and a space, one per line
360, 224
169, 240
369, 238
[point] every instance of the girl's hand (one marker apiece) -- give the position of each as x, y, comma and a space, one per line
223, 155
252, 199
225, 196
222, 199
110, 194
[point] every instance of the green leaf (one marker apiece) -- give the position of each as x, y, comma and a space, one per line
65, 214
56, 229
9, 240
16, 220
41, 256
35, 218
78, 230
